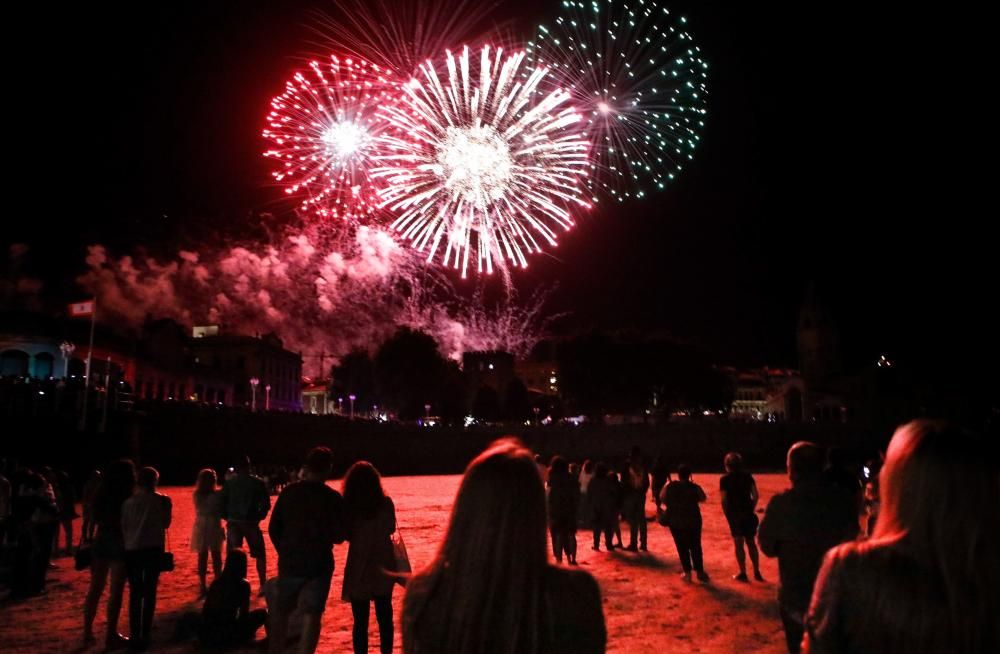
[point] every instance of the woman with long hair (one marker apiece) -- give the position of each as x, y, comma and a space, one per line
108, 551
927, 580
371, 520
207, 534
491, 588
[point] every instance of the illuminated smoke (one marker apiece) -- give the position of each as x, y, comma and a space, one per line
318, 296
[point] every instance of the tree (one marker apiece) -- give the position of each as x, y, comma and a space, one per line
486, 405
411, 373
355, 374
516, 407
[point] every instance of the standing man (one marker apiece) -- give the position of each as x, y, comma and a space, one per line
799, 526
636, 483
245, 502
308, 520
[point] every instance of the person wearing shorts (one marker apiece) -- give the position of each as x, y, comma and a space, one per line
307, 521
739, 504
245, 502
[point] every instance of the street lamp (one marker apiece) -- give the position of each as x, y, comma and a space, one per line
67, 350
253, 393
340, 406
267, 398
352, 397
427, 412
537, 410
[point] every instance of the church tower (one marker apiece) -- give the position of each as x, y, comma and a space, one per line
818, 342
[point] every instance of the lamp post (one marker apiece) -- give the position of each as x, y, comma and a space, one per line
537, 410
427, 412
340, 406
67, 350
267, 397
253, 393
352, 397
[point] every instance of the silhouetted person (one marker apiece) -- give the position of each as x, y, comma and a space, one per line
927, 579
583, 510
371, 520
490, 588
226, 618
66, 505
34, 517
108, 551
838, 473
5, 501
87, 504
602, 494
659, 474
799, 526
682, 498
245, 502
563, 501
635, 485
308, 519
739, 504
145, 519
207, 534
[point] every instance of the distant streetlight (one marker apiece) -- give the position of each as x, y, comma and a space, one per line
67, 350
427, 412
537, 410
253, 393
267, 397
352, 397
340, 405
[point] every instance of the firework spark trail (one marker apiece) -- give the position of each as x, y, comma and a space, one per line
323, 133
402, 34
482, 160
636, 72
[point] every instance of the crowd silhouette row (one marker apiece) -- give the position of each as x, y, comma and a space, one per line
902, 558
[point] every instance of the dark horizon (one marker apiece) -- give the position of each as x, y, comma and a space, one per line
146, 135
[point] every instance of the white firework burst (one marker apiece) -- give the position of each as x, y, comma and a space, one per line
482, 161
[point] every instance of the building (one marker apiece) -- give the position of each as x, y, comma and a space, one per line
539, 377
772, 394
316, 397
262, 372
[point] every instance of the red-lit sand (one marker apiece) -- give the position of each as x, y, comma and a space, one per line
647, 606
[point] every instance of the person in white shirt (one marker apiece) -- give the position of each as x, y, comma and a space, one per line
145, 519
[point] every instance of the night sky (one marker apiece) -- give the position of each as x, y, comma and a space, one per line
139, 126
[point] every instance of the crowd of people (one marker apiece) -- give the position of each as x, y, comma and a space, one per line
897, 560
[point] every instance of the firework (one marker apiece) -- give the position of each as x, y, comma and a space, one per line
635, 72
482, 161
324, 132
402, 34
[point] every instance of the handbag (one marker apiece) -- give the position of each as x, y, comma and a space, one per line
167, 557
399, 553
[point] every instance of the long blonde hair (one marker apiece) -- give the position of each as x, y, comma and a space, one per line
940, 494
483, 591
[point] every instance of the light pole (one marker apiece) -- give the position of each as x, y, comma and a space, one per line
253, 393
340, 406
267, 397
352, 397
67, 350
537, 410
427, 412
